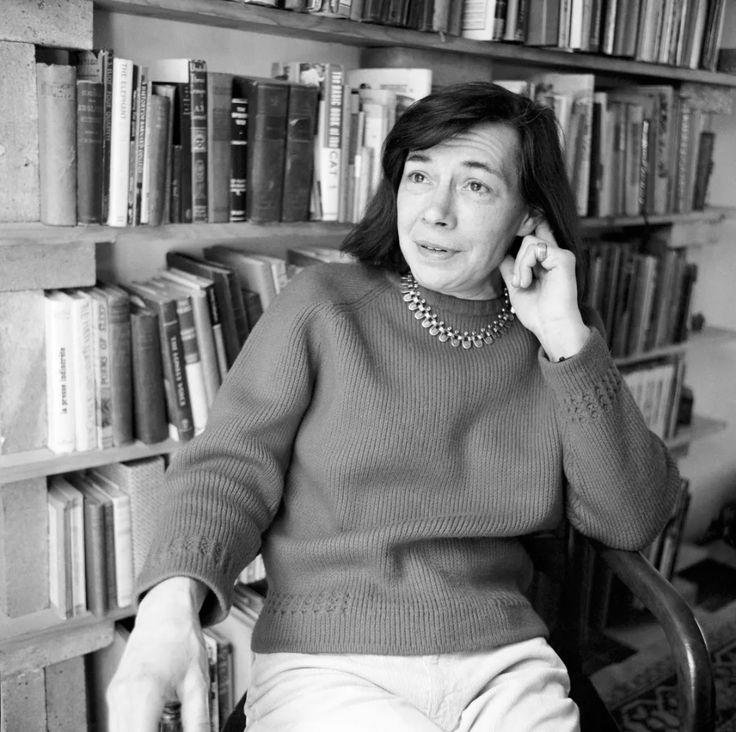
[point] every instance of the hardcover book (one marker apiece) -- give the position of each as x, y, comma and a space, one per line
219, 103
299, 155
120, 120
268, 101
90, 119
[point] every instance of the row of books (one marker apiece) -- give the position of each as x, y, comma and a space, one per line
175, 142
144, 360
675, 32
99, 530
642, 288
645, 149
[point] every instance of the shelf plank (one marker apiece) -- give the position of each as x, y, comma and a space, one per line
250, 17
43, 462
700, 428
708, 336
43, 638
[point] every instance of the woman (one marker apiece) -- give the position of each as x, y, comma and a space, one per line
389, 431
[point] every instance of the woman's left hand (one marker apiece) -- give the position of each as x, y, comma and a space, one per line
543, 292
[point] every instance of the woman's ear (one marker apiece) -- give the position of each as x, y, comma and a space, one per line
530, 222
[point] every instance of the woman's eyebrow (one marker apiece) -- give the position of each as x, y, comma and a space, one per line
422, 157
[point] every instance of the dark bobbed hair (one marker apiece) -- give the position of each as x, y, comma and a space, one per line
448, 112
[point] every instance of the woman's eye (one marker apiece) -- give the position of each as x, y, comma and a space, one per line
416, 177
477, 187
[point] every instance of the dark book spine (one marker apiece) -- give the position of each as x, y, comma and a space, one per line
299, 162
89, 151
133, 136
198, 132
158, 119
149, 399
703, 169
185, 140
141, 122
120, 369
373, 11
239, 158
267, 105
175, 208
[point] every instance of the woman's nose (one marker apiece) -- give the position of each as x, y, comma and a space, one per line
440, 208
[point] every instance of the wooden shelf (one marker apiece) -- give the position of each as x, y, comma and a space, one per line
709, 216
43, 462
43, 638
239, 16
709, 336
700, 428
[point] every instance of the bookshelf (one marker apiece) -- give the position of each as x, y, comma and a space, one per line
36, 257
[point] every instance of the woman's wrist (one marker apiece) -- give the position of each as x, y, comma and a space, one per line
182, 592
564, 342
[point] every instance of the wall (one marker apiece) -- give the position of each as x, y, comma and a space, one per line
711, 463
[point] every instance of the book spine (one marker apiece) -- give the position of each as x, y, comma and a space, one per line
149, 399
139, 124
198, 133
219, 96
122, 98
121, 383
57, 139
703, 169
330, 149
156, 154
267, 106
192, 363
59, 374
239, 157
84, 373
185, 161
299, 162
89, 151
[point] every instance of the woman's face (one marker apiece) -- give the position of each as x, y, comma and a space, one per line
459, 209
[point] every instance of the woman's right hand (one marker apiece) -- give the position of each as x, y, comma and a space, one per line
165, 658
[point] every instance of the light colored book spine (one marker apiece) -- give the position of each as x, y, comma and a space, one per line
84, 371
122, 97
59, 373
57, 554
103, 386
330, 147
57, 137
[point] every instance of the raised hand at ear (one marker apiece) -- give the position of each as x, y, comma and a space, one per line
543, 292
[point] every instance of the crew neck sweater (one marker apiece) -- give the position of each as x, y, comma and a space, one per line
387, 477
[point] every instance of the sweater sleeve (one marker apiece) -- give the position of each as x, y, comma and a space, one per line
224, 487
622, 482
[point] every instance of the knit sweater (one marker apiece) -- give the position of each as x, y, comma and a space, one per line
387, 476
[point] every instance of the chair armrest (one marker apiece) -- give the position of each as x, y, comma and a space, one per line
696, 692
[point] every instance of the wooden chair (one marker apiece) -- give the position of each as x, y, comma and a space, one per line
563, 561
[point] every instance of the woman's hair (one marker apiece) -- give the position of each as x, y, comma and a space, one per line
450, 111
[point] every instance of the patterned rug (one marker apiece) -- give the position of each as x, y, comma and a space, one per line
641, 690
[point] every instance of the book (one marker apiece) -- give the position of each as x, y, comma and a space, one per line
120, 119
74, 545
138, 173
703, 169
142, 480
171, 181
483, 21
120, 364
96, 66
122, 535
238, 157
57, 143
90, 118
329, 78
94, 545
219, 104
101, 359
409, 84
268, 101
252, 270
89, 487
176, 389
154, 191
149, 399
190, 78
193, 367
543, 23
59, 372
198, 290
299, 153
229, 302
59, 543
82, 355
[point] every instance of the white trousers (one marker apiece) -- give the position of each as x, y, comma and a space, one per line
516, 688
